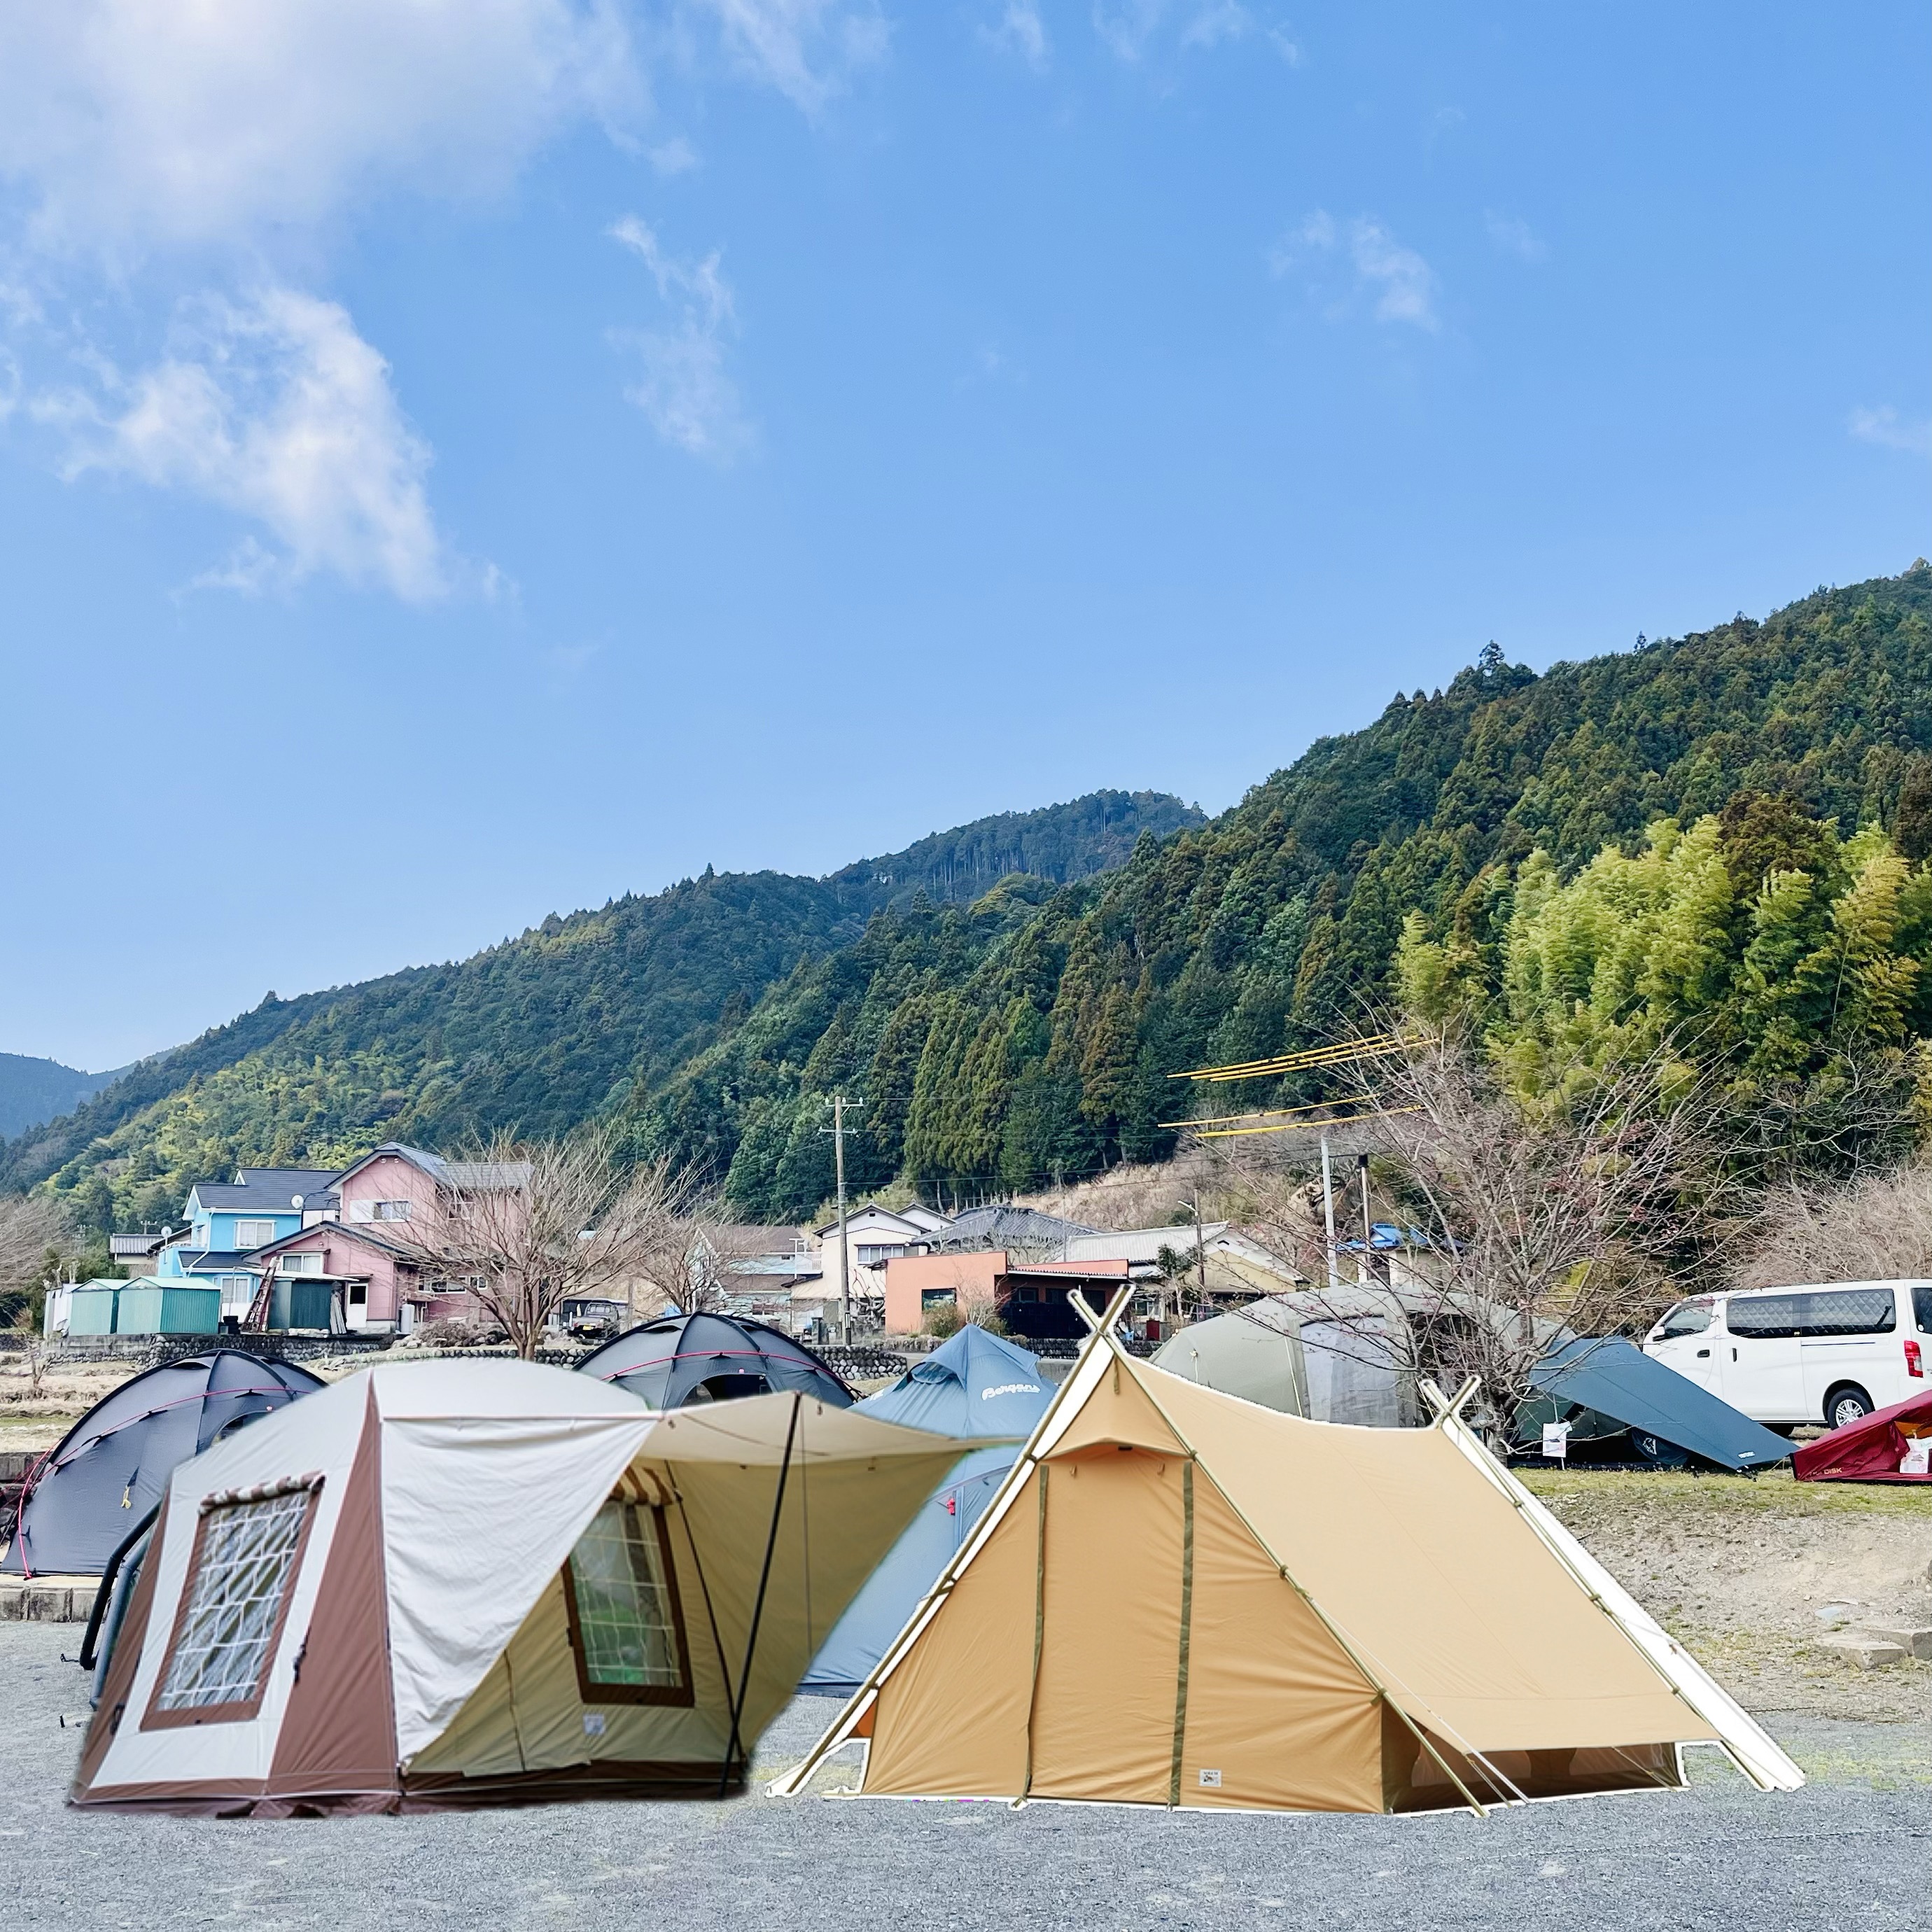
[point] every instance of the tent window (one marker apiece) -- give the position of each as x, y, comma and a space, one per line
232, 1609
626, 1625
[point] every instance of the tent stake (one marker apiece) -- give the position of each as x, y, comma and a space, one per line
758, 1606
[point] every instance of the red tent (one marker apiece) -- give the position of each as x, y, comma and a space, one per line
1871, 1449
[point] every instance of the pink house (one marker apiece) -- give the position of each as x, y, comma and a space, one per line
381, 1287
385, 1199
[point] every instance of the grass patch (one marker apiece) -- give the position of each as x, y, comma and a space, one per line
1771, 1492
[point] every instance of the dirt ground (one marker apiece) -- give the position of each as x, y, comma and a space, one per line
1739, 1570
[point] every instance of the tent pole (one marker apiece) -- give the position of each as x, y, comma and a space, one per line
86, 1659
758, 1606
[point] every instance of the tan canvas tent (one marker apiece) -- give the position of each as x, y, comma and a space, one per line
1180, 1598
454, 1582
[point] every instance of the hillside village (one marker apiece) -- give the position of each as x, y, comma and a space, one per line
302, 1252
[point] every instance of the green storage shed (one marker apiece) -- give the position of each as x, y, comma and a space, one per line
152, 1306
294, 1303
90, 1308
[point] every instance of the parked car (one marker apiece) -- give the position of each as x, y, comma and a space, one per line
1829, 1352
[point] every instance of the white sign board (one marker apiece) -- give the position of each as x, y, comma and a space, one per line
1556, 1440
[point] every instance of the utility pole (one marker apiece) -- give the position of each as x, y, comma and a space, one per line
838, 1104
1368, 1226
1200, 1252
1328, 1214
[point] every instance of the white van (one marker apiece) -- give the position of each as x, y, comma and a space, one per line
1828, 1353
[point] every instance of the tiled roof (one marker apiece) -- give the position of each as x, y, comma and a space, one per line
272, 1189
1004, 1225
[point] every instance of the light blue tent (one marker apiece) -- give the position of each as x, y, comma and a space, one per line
975, 1384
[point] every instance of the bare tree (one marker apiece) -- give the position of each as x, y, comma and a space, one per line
34, 1228
527, 1225
1877, 1228
690, 1251
1575, 1211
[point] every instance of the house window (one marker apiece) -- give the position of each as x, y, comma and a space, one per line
237, 1290
254, 1233
310, 1264
937, 1298
359, 1295
626, 1625
240, 1572
392, 1211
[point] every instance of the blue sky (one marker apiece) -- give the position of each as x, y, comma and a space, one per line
463, 459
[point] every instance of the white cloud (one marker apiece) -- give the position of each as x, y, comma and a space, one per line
1404, 282
1396, 283
1220, 20
806, 49
674, 156
686, 390
1514, 237
132, 124
1128, 27
276, 409
1882, 426
1022, 31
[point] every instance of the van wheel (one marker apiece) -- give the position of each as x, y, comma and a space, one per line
1844, 1406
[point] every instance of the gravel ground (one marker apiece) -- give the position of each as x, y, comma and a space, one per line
1848, 1852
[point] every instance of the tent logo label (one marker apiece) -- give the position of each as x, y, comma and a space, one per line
593, 1723
1010, 1388
1213, 1778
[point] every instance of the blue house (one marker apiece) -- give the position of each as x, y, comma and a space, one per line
227, 1221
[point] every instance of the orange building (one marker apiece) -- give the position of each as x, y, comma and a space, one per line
1029, 1297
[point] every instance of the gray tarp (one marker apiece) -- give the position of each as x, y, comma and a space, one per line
1616, 1378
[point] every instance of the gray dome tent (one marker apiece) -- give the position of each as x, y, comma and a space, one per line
688, 1358
111, 1467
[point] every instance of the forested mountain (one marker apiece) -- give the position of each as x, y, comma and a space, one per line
1008, 1043
1730, 826
572, 1018
32, 1090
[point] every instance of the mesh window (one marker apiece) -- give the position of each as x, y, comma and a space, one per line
1861, 1311
1765, 1314
627, 1616
246, 1560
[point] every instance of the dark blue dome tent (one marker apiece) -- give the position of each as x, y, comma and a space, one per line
975, 1384
687, 1358
111, 1467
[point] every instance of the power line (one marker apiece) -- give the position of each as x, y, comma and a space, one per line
1268, 1113
1372, 1046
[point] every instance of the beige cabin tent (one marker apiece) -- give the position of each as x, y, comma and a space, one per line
1180, 1598
453, 1582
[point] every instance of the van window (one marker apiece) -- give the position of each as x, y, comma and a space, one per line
1921, 1308
1845, 1311
1687, 1317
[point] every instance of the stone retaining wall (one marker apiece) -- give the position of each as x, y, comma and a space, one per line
47, 1599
